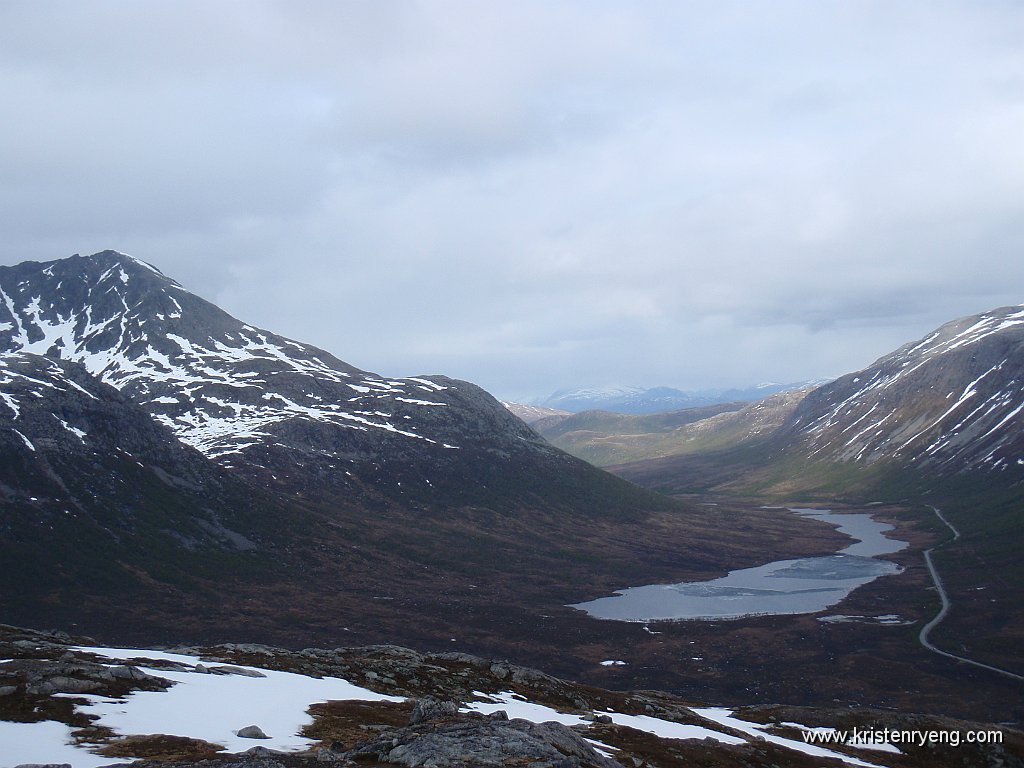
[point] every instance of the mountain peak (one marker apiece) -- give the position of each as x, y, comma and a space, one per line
221, 385
95, 267
959, 333
111, 258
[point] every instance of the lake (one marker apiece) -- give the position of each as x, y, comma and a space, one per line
805, 585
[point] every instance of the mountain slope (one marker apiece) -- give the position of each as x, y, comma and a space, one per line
603, 438
532, 413
948, 405
97, 499
607, 439
940, 420
951, 402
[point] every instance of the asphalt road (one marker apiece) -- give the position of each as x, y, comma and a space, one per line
927, 628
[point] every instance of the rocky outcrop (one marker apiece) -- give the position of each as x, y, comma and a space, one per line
428, 709
41, 677
476, 741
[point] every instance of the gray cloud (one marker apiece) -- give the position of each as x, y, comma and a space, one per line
535, 195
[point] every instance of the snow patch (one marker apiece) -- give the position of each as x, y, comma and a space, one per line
725, 718
214, 707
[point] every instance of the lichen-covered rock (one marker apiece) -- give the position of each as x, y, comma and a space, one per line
482, 742
431, 709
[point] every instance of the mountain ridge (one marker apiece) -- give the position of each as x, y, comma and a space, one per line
926, 404
948, 404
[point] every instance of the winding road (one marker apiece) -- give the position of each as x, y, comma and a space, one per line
927, 628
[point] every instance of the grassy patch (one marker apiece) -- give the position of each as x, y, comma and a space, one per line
160, 747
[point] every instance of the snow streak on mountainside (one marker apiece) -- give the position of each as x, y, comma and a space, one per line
219, 384
25, 379
953, 400
94, 492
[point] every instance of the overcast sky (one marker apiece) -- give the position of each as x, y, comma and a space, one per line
535, 195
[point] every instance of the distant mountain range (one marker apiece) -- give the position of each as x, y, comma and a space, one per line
655, 399
606, 439
950, 403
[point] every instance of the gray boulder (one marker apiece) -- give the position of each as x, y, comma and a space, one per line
251, 732
128, 672
431, 709
62, 684
228, 669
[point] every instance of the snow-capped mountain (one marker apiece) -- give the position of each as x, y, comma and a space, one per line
247, 397
953, 400
220, 384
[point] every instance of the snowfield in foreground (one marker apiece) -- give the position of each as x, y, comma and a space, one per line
214, 707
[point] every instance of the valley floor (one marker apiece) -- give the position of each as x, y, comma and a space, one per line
862, 655
862, 652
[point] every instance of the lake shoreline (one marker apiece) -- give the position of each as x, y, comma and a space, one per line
783, 587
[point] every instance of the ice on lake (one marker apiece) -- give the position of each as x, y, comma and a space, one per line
804, 585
